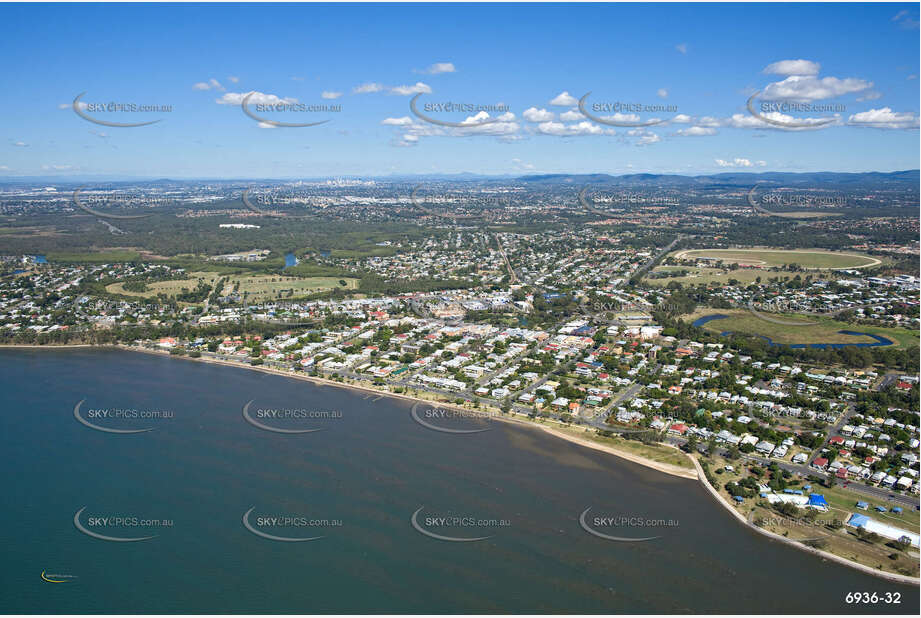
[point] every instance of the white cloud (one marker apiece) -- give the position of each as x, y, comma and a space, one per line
418, 88
4, 168
233, 79
566, 130
681, 119
439, 67
793, 67
696, 131
885, 118
398, 122
682, 47
571, 115
522, 164
367, 88
329, 94
59, 168
564, 99
20, 144
211, 84
623, 118
645, 136
737, 162
810, 88
236, 98
532, 114
870, 96
662, 92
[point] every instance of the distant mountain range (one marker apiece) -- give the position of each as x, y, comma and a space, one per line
901, 179
906, 178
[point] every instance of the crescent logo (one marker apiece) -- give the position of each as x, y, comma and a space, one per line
766, 318
588, 205
415, 414
274, 123
441, 537
608, 537
105, 123
82, 206
54, 581
249, 419
83, 421
445, 123
254, 208
446, 215
614, 123
272, 537
778, 123
102, 537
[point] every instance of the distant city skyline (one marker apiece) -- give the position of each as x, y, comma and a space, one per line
836, 89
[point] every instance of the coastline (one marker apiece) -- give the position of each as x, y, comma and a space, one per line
664, 468
894, 577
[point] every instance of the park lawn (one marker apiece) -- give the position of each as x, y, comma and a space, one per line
258, 288
823, 330
717, 275
806, 258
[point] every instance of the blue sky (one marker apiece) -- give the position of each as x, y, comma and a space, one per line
536, 59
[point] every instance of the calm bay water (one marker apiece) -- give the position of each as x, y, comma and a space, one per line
371, 470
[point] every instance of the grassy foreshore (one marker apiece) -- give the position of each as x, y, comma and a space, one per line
687, 467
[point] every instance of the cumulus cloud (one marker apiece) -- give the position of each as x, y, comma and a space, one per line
329, 94
682, 47
696, 131
885, 118
793, 67
418, 88
569, 130
870, 96
811, 88
211, 84
532, 114
564, 99
236, 98
571, 115
662, 92
739, 162
367, 88
439, 67
403, 121
646, 137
